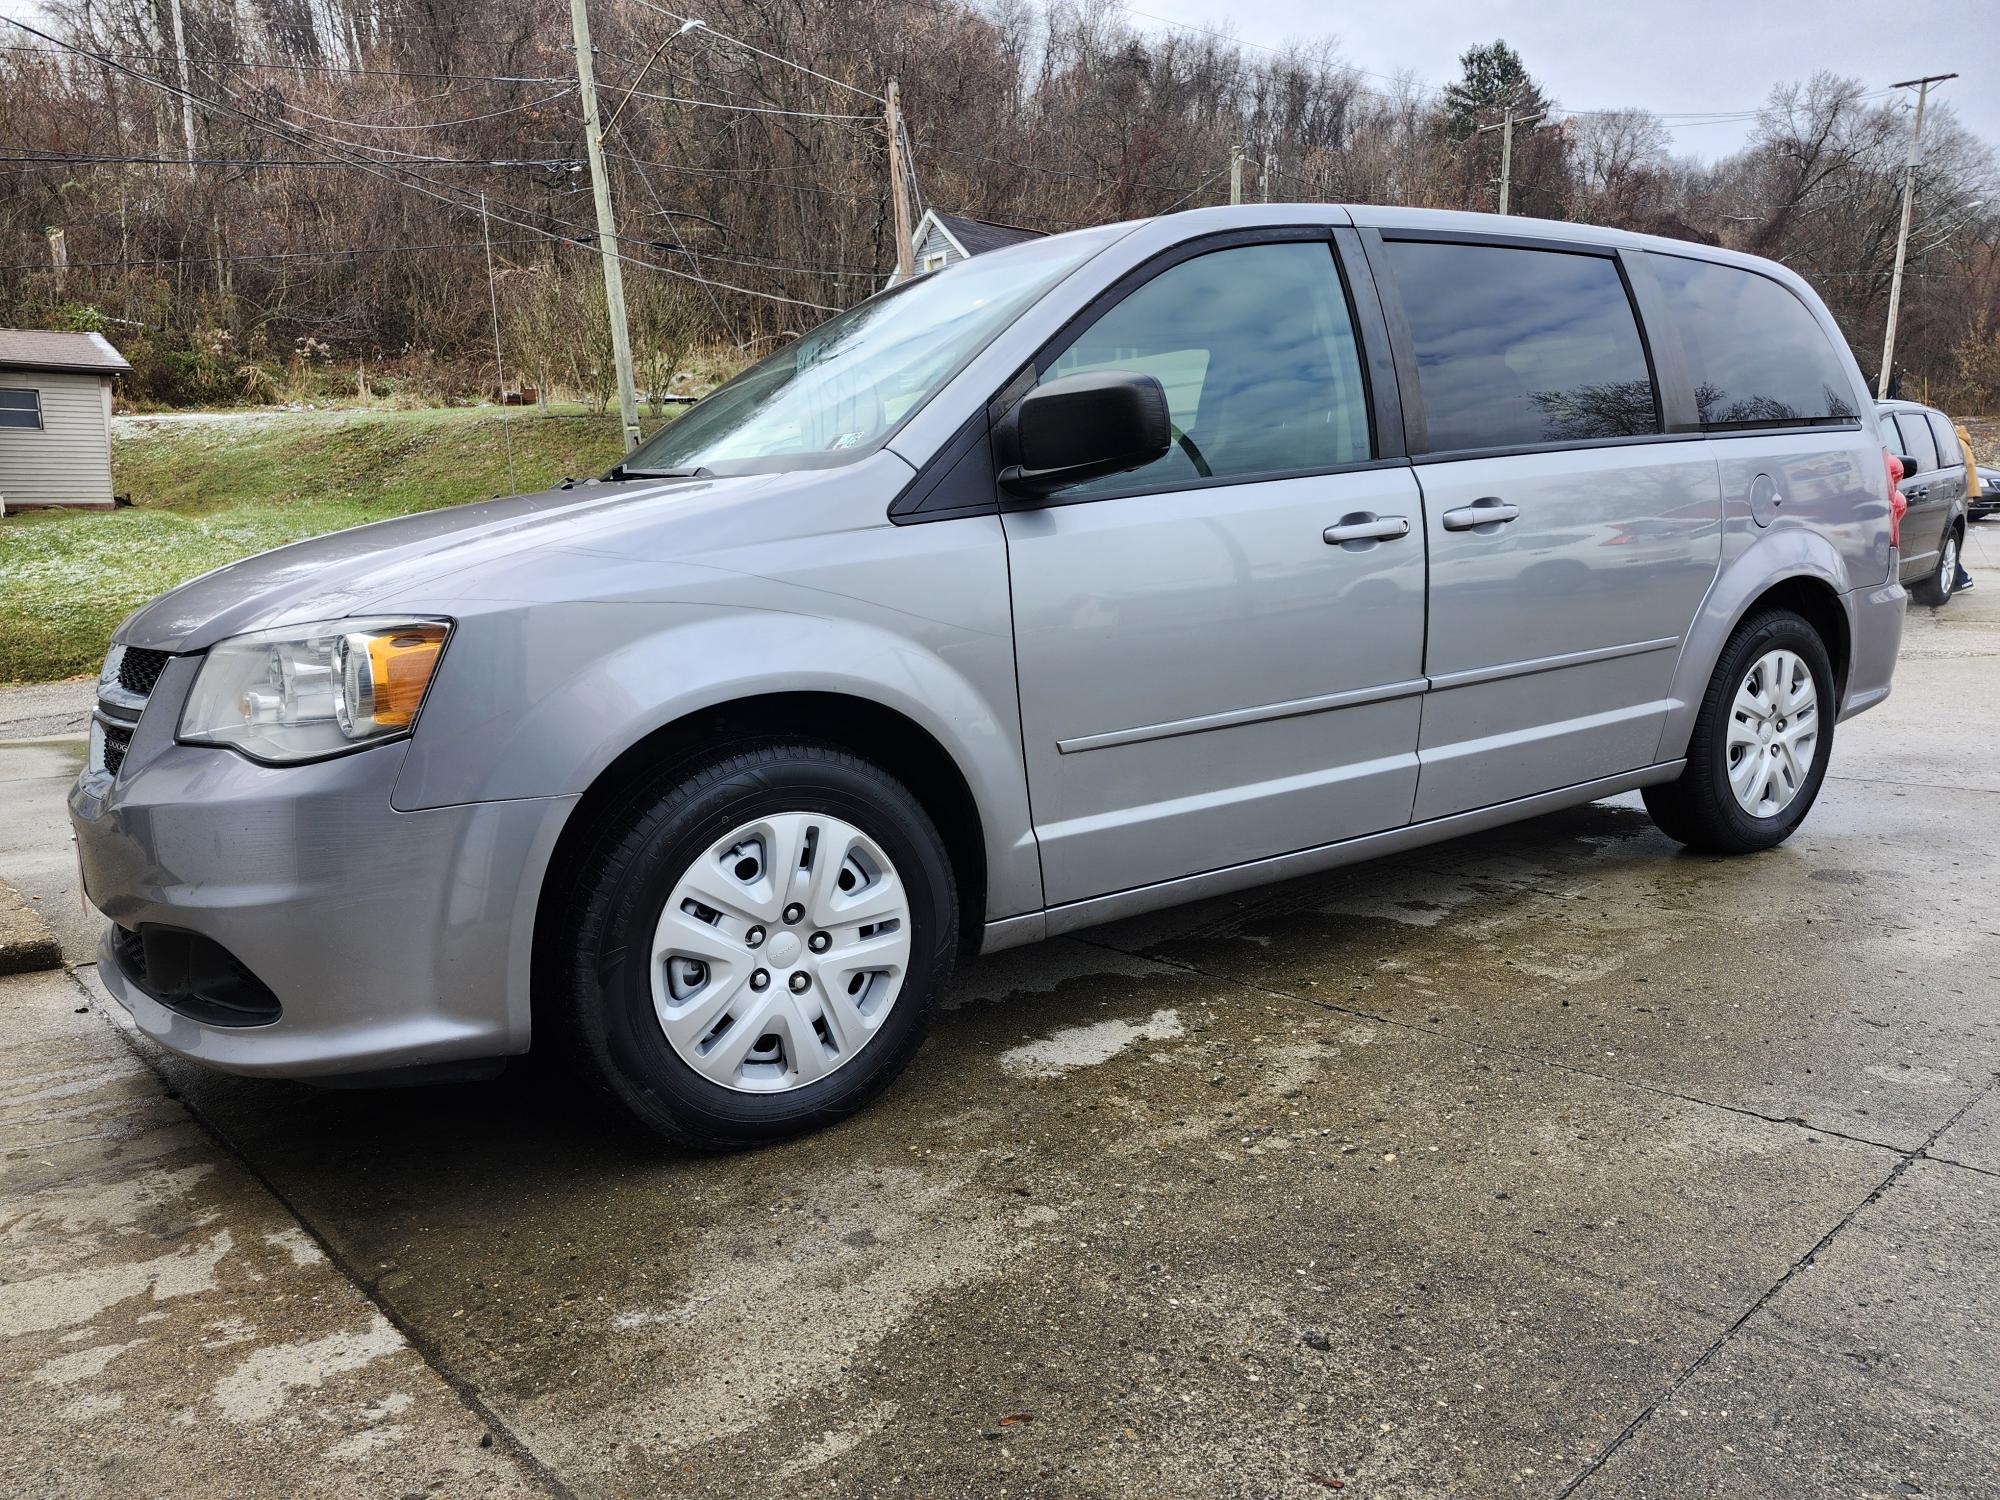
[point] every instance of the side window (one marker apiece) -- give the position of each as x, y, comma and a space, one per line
1519, 347
1950, 455
20, 408
1257, 354
1756, 354
1921, 446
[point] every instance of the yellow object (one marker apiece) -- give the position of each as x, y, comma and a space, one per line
401, 666
1971, 468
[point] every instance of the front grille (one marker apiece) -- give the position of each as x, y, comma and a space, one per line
139, 670
130, 674
116, 743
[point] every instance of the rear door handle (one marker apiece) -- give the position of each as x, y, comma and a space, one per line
1366, 526
1482, 515
1918, 492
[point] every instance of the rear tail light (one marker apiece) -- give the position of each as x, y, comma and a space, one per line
1897, 504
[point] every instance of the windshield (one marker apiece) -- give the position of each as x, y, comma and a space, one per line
836, 393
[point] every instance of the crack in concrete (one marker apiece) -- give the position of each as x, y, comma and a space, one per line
1905, 1162
464, 1389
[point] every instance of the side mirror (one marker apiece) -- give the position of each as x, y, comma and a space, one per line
1083, 427
1909, 464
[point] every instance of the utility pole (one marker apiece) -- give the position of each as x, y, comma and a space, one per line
187, 92
1506, 129
499, 366
1923, 88
607, 227
899, 183
1235, 175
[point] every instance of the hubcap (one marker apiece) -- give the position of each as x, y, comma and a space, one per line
1948, 565
1773, 733
780, 952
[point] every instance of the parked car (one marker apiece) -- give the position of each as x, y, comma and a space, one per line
1084, 577
1987, 501
1924, 441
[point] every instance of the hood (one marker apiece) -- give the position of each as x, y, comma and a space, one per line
341, 573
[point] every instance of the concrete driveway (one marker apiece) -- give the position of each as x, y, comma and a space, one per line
1552, 1162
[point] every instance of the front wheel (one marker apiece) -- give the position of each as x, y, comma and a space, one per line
1761, 741
755, 948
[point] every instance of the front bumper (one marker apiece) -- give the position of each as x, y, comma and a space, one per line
390, 939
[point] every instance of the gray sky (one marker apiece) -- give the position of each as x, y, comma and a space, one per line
1673, 58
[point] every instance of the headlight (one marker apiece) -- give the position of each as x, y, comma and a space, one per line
307, 691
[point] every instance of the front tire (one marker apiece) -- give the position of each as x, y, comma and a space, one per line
1761, 741
755, 948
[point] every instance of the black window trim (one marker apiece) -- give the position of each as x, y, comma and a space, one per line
1664, 361
1779, 427
35, 394
1385, 414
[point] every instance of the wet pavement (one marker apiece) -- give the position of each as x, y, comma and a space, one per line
1551, 1162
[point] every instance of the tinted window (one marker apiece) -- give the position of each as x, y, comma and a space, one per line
1950, 456
1257, 354
1755, 352
1522, 346
20, 409
1917, 440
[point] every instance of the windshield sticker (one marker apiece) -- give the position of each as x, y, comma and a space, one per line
848, 439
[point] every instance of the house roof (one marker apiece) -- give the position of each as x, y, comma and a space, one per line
36, 349
977, 236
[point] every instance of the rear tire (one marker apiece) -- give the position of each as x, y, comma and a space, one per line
652, 1033
1752, 772
1936, 587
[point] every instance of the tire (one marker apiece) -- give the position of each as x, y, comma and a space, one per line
1702, 808
615, 1005
1935, 588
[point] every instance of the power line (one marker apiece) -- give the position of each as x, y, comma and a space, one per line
556, 163
774, 57
382, 170
751, 109
206, 259
491, 114
300, 67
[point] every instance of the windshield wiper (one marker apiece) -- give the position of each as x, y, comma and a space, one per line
619, 471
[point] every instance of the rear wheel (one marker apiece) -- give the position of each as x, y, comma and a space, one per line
1761, 741
756, 947
1936, 588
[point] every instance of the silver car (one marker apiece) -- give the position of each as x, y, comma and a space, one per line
1087, 576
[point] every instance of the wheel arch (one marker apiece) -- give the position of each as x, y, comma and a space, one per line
1806, 577
862, 726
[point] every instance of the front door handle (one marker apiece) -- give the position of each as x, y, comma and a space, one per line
1483, 515
1366, 526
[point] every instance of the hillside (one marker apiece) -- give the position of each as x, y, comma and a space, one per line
209, 489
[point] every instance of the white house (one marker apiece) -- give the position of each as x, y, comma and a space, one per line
939, 239
55, 418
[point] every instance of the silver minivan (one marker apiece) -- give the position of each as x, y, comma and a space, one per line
1087, 576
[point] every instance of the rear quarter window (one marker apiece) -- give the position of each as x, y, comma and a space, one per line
1950, 455
1757, 355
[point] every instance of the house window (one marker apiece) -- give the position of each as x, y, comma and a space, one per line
20, 408
934, 262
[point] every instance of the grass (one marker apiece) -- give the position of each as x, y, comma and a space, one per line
207, 492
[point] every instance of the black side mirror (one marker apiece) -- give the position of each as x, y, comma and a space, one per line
1083, 427
1909, 464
